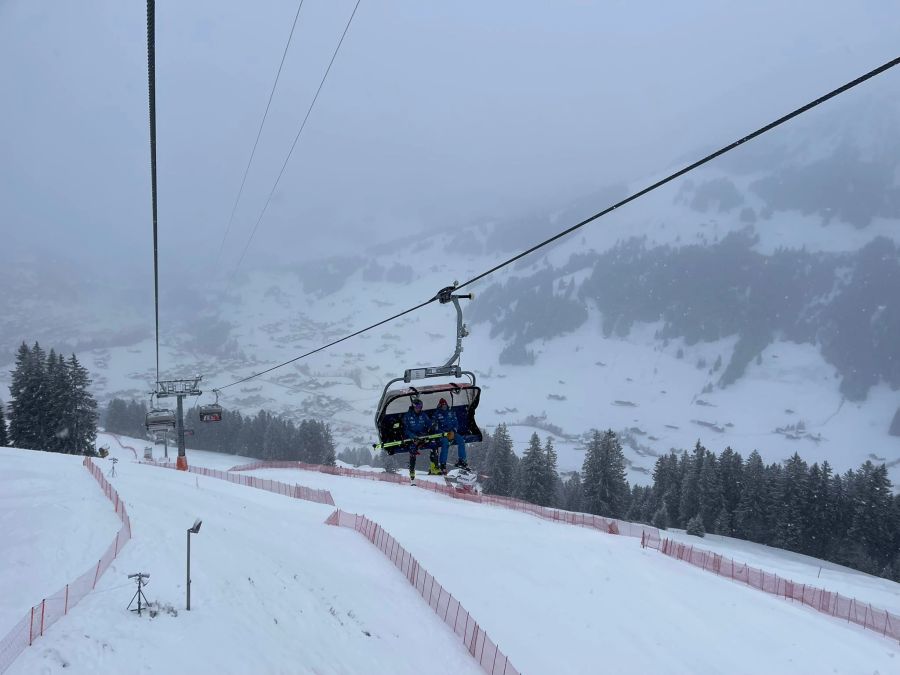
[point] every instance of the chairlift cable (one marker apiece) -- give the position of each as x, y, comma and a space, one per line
331, 344
634, 196
690, 167
259, 133
151, 80
296, 139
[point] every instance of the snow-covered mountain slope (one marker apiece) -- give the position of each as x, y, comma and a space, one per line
276, 590
751, 304
54, 524
273, 590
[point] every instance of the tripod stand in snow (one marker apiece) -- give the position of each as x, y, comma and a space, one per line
139, 593
112, 471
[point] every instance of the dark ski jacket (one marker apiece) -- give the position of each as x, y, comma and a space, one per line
445, 420
416, 424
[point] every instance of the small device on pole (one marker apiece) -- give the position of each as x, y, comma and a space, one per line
112, 472
139, 593
194, 529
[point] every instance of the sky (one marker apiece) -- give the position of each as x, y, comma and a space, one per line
434, 115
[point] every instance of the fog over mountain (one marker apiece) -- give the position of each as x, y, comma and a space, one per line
446, 139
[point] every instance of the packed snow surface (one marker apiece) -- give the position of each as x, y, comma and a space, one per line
54, 524
275, 590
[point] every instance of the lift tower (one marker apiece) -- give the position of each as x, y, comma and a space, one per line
179, 389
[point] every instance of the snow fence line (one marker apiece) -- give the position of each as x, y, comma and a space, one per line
122, 445
476, 640
834, 604
295, 491
606, 525
43, 615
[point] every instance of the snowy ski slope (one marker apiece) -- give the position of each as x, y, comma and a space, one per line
274, 590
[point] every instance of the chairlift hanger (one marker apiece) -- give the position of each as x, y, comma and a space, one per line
211, 412
388, 423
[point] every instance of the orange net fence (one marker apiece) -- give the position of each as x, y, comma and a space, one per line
476, 640
47, 612
600, 523
295, 491
834, 604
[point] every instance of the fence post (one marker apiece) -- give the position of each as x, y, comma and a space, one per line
66, 608
116, 549
31, 627
96, 574
43, 604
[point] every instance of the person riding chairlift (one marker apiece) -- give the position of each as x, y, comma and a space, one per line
416, 423
445, 422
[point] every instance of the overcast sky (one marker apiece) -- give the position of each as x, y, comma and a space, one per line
435, 113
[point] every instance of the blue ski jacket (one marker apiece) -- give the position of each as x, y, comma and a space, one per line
445, 420
416, 424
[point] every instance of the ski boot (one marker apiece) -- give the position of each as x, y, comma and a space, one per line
434, 470
444, 469
412, 476
462, 464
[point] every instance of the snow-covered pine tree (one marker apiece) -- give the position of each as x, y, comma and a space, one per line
751, 517
58, 402
791, 499
554, 482
690, 485
695, 526
533, 485
731, 475
26, 424
872, 528
606, 490
572, 495
4, 437
661, 517
502, 468
709, 492
82, 408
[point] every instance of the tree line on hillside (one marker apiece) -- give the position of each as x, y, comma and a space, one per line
51, 407
852, 518
262, 436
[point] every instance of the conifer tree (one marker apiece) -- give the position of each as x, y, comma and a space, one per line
695, 526
533, 474
503, 464
791, 499
554, 483
751, 515
572, 495
81, 409
26, 425
661, 517
606, 490
4, 437
709, 493
690, 485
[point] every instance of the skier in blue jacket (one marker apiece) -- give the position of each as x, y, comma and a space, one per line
416, 423
445, 422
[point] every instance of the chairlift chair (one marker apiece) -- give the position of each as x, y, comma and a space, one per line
159, 419
211, 412
462, 397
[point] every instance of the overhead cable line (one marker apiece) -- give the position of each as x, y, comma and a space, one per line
297, 137
151, 80
634, 196
691, 167
331, 344
259, 133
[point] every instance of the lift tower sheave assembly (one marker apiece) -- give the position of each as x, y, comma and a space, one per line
179, 389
